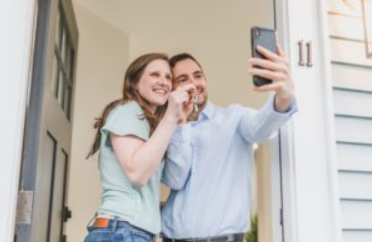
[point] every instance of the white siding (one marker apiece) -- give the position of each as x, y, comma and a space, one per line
356, 215
352, 77
352, 95
357, 236
348, 102
349, 180
354, 157
346, 27
354, 129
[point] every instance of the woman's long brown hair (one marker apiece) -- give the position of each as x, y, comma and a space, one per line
130, 93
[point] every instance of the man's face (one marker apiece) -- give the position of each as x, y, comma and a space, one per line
188, 72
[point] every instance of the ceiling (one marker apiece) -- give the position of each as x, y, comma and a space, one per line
124, 13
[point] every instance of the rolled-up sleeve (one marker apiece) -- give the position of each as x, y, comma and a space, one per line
263, 124
178, 159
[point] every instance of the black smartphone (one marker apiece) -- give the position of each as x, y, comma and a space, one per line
266, 38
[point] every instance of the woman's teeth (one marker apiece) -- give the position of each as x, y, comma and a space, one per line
160, 91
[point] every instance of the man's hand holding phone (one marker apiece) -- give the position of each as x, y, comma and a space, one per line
274, 67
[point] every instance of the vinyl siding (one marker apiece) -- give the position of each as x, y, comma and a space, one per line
352, 94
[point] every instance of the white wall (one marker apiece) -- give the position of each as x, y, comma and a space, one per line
102, 59
264, 194
17, 29
217, 32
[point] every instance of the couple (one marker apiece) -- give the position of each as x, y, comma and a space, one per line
164, 129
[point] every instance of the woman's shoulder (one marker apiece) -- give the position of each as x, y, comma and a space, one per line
126, 118
130, 108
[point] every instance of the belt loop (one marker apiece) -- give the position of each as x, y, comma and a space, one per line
115, 223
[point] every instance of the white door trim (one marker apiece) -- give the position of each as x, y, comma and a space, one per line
294, 203
287, 153
333, 188
17, 22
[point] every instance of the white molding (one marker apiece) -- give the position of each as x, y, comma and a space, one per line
324, 46
289, 186
299, 223
289, 189
275, 190
17, 20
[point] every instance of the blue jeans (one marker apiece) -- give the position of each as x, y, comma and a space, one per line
118, 231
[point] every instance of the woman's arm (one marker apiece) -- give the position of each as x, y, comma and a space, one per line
140, 159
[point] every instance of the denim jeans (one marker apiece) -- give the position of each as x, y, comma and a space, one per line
118, 231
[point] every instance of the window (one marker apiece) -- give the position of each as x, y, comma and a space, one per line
63, 67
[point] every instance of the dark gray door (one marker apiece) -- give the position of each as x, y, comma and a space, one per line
48, 130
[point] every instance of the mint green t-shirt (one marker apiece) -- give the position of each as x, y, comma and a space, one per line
138, 206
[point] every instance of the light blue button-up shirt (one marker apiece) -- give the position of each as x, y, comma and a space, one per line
209, 168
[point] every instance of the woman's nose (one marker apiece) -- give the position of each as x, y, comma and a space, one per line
164, 81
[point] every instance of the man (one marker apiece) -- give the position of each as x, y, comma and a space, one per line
209, 159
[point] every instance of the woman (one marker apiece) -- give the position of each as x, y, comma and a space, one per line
130, 160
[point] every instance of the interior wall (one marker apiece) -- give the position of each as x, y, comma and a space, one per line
217, 32
102, 58
263, 193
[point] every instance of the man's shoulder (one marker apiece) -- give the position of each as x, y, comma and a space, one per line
234, 108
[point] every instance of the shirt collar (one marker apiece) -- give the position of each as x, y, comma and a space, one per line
209, 110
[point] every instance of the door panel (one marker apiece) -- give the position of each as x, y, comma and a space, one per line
57, 208
42, 197
54, 53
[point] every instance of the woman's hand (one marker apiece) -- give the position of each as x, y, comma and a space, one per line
180, 103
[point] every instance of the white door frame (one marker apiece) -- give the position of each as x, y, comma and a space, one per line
17, 22
16, 52
299, 224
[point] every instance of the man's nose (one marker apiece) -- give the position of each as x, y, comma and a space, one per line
193, 81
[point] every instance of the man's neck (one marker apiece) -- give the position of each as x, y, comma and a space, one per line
194, 115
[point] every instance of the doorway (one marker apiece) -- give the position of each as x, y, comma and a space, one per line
110, 36
113, 34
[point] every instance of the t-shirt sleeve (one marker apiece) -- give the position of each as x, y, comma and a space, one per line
125, 120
